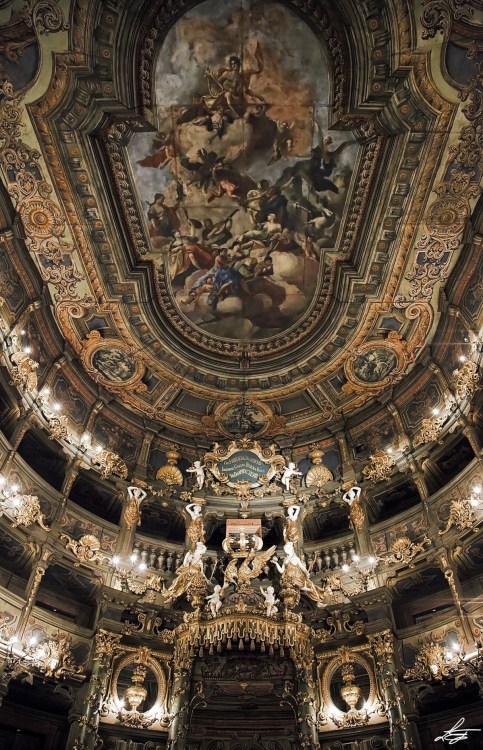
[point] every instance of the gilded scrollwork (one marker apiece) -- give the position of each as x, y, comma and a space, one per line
110, 463
24, 371
87, 550
438, 15
380, 466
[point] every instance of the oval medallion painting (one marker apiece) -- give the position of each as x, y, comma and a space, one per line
242, 185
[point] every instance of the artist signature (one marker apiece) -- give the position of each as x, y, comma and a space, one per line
455, 734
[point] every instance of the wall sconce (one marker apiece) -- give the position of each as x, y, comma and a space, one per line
22, 510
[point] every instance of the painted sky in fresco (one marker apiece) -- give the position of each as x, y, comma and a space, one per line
242, 186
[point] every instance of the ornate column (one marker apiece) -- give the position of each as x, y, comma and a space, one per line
451, 575
85, 721
348, 472
22, 426
142, 462
179, 701
404, 734
71, 475
306, 705
32, 588
419, 479
471, 434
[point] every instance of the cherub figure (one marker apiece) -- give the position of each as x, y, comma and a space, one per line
199, 472
214, 600
287, 475
270, 600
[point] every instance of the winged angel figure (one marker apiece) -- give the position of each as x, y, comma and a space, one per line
251, 567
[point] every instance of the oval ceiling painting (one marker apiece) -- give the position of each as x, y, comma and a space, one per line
242, 186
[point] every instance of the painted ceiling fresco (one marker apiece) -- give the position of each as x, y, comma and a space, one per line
243, 186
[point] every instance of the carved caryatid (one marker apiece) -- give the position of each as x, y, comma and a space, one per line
291, 529
132, 512
195, 531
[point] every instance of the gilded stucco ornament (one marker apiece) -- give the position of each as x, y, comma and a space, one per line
132, 511
461, 515
58, 427
318, 474
87, 550
109, 463
240, 576
170, 474
190, 579
403, 551
438, 15
112, 363
24, 371
465, 379
434, 660
244, 460
23, 510
380, 467
376, 364
243, 417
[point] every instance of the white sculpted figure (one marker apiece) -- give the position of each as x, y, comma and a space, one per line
353, 494
270, 600
214, 600
199, 472
189, 574
294, 574
287, 475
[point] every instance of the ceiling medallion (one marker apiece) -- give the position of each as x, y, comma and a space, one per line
112, 363
376, 364
243, 417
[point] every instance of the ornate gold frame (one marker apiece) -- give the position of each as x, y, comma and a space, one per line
158, 672
93, 342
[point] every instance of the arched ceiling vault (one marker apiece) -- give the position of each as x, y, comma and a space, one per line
339, 163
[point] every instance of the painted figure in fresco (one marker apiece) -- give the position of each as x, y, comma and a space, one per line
241, 170
287, 475
163, 150
203, 285
294, 574
229, 87
283, 142
113, 364
214, 600
187, 257
242, 418
198, 470
201, 168
163, 220
228, 181
374, 365
270, 600
227, 281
